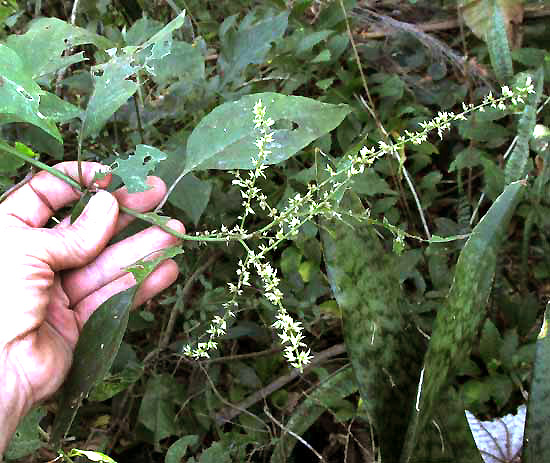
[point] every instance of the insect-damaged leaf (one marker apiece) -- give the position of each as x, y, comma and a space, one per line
224, 139
20, 95
458, 321
134, 170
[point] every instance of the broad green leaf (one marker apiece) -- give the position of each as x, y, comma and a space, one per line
191, 195
178, 449
20, 95
166, 32
95, 352
499, 48
249, 44
41, 47
224, 139
58, 110
97, 348
516, 166
112, 88
323, 398
134, 170
184, 64
157, 411
458, 321
537, 447
26, 439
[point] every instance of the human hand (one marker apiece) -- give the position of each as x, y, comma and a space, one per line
52, 280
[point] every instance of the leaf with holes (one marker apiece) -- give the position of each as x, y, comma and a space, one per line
20, 95
134, 170
224, 139
41, 47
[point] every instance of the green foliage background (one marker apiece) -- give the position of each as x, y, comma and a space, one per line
177, 101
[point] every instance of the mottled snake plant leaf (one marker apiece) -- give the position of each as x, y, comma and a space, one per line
384, 349
457, 322
537, 444
499, 46
517, 162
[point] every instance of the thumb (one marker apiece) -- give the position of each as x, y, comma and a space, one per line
79, 243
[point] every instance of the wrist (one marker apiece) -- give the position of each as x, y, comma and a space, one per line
13, 406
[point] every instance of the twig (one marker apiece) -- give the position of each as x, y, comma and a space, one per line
231, 412
176, 309
229, 404
293, 434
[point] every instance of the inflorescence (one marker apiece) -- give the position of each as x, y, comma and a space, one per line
318, 201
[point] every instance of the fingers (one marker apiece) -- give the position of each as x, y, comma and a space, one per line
77, 244
161, 278
35, 202
110, 264
141, 202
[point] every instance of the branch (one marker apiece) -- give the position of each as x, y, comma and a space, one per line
231, 412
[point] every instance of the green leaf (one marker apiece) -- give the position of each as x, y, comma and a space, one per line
178, 449
516, 166
184, 64
191, 195
166, 32
216, 453
537, 447
111, 90
41, 47
224, 139
323, 398
20, 95
490, 342
457, 322
114, 384
95, 352
26, 439
497, 43
157, 411
58, 110
134, 170
143, 268
249, 44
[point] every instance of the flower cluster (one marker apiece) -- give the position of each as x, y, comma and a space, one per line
317, 201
